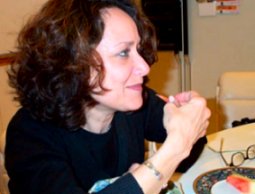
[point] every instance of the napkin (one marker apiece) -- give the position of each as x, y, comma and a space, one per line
236, 139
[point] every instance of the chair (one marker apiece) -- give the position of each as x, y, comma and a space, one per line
235, 97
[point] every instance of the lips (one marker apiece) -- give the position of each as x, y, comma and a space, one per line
136, 87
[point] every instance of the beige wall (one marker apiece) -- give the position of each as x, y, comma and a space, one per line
13, 13
220, 43
165, 74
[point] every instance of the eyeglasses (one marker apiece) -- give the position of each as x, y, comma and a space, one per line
238, 158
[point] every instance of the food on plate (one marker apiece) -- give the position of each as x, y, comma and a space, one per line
242, 183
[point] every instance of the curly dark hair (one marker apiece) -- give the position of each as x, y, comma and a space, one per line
56, 53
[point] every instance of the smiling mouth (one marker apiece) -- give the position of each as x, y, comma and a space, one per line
136, 87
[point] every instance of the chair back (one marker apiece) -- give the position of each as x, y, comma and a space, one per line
235, 97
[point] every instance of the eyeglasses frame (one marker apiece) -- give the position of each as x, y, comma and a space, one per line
231, 164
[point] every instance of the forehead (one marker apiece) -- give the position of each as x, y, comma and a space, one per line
119, 25
114, 14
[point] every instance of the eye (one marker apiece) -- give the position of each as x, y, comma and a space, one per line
124, 53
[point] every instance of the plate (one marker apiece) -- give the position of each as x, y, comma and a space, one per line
222, 187
205, 182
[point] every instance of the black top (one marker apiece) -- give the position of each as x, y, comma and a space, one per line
41, 158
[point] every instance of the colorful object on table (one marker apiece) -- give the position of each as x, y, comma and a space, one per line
242, 183
175, 190
101, 184
171, 188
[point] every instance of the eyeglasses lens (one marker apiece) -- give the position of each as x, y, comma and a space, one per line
238, 158
251, 152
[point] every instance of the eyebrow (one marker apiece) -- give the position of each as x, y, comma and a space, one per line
129, 43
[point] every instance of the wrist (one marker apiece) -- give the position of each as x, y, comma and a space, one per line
176, 147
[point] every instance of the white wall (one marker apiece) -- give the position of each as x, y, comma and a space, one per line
220, 43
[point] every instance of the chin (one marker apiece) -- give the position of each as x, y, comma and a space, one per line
135, 106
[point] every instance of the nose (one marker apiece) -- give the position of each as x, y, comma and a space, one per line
141, 66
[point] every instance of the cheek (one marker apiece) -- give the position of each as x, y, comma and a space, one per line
116, 78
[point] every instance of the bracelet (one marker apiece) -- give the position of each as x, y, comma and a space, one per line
155, 172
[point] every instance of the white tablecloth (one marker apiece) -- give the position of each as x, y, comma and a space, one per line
238, 138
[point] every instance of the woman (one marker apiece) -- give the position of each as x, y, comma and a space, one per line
80, 77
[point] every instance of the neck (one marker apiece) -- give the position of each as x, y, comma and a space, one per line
98, 120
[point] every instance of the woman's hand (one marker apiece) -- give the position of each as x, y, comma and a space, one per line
133, 167
186, 120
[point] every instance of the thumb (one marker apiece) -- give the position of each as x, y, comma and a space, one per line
169, 110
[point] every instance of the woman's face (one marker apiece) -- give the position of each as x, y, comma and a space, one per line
124, 67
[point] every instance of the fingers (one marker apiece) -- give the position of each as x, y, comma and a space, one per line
203, 129
190, 106
203, 111
202, 134
188, 122
170, 109
192, 112
183, 97
186, 96
179, 99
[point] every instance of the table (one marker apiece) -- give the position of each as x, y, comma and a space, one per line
238, 138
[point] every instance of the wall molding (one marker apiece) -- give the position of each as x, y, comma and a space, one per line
6, 58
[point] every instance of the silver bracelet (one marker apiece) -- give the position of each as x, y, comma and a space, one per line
155, 172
